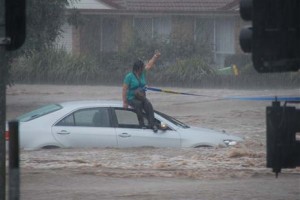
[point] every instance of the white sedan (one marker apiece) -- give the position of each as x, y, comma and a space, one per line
108, 124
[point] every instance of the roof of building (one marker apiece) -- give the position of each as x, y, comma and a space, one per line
88, 4
173, 5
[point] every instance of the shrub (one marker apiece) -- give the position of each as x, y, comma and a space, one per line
60, 67
183, 72
54, 66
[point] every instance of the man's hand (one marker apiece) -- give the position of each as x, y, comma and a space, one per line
157, 54
152, 60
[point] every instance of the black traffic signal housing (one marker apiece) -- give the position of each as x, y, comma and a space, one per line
273, 38
15, 23
283, 128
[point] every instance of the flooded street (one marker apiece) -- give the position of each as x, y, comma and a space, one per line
158, 173
78, 185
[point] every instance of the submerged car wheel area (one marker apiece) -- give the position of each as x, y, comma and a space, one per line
85, 124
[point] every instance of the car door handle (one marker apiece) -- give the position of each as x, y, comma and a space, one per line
124, 135
63, 132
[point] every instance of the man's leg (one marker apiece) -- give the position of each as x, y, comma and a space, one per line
150, 114
138, 107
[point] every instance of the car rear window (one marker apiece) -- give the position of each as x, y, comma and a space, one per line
39, 112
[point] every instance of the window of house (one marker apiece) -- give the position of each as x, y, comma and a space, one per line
143, 27
100, 34
109, 35
224, 40
162, 27
217, 35
204, 33
149, 27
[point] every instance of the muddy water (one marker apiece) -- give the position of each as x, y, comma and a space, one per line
218, 166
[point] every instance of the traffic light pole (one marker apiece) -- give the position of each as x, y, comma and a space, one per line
14, 19
3, 76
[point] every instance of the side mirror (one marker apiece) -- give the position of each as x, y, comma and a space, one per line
164, 126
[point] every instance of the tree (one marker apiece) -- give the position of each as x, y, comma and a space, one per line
44, 23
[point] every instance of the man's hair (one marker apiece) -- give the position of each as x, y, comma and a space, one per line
137, 65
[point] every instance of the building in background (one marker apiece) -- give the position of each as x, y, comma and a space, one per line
110, 25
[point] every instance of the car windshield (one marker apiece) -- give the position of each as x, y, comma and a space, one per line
173, 120
39, 112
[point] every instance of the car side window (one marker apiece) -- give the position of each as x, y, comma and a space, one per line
92, 117
67, 121
128, 119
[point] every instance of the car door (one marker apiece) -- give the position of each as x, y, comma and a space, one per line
86, 128
131, 134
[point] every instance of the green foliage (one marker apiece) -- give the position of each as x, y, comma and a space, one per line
44, 21
55, 66
59, 67
189, 71
75, 18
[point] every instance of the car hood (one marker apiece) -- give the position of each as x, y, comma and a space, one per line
198, 130
204, 136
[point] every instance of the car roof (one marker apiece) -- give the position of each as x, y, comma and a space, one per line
88, 103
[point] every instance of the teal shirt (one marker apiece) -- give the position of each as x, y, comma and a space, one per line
132, 82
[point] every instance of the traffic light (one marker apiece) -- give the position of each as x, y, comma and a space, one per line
15, 23
283, 147
273, 38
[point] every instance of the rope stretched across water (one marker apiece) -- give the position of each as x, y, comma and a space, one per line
263, 98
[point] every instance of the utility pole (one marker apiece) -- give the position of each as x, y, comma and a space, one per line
12, 36
2, 104
3, 76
